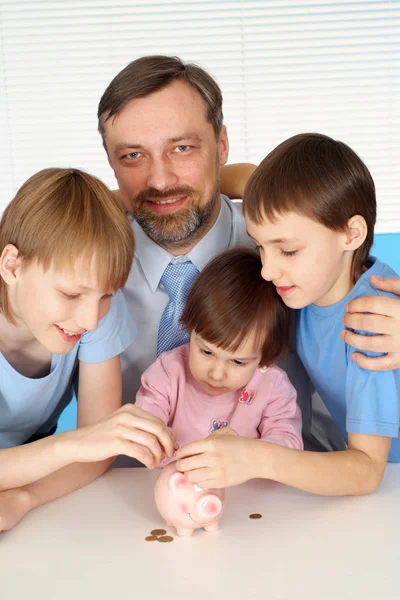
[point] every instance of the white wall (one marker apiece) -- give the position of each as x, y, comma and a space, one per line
284, 67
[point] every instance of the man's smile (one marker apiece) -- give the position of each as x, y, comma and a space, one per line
165, 205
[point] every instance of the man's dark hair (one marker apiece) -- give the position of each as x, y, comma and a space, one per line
150, 74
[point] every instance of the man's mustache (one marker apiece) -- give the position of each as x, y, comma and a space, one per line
153, 193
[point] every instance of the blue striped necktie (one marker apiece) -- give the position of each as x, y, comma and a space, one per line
177, 280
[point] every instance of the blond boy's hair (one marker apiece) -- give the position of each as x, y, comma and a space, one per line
66, 218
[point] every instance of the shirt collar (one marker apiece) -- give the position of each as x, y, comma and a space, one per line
216, 240
154, 260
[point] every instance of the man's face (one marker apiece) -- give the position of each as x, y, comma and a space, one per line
307, 262
166, 159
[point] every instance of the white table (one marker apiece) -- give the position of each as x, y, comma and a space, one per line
90, 545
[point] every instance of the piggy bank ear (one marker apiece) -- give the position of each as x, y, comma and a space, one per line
177, 481
209, 506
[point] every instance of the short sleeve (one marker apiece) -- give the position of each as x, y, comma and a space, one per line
372, 399
155, 392
281, 418
115, 332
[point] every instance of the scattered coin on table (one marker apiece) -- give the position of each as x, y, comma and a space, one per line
151, 538
255, 516
166, 538
158, 532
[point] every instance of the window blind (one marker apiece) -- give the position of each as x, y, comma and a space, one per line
284, 67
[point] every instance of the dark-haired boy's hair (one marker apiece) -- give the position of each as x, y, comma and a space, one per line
230, 300
318, 177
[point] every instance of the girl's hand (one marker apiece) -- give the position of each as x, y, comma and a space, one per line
380, 315
130, 431
220, 460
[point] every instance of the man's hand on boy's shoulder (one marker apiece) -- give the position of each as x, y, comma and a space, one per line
117, 196
378, 315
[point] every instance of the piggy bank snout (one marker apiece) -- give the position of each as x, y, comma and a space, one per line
208, 507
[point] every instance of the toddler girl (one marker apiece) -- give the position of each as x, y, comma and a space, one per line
224, 379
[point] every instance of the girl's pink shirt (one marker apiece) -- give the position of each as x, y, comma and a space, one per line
265, 409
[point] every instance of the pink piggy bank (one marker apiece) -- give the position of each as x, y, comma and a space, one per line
184, 505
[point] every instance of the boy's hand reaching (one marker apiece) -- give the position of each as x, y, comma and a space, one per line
130, 430
220, 460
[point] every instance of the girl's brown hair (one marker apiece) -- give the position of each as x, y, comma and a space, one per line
313, 175
230, 300
64, 218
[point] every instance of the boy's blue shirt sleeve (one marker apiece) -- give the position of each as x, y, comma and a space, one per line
115, 332
372, 398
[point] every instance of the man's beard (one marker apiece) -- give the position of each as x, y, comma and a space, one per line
174, 230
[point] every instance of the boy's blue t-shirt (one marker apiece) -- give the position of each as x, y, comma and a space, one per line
29, 406
359, 401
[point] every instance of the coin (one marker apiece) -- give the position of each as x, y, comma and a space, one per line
255, 516
165, 538
151, 538
158, 532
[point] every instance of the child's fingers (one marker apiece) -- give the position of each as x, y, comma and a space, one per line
191, 463
154, 426
190, 449
143, 439
208, 484
200, 477
138, 452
